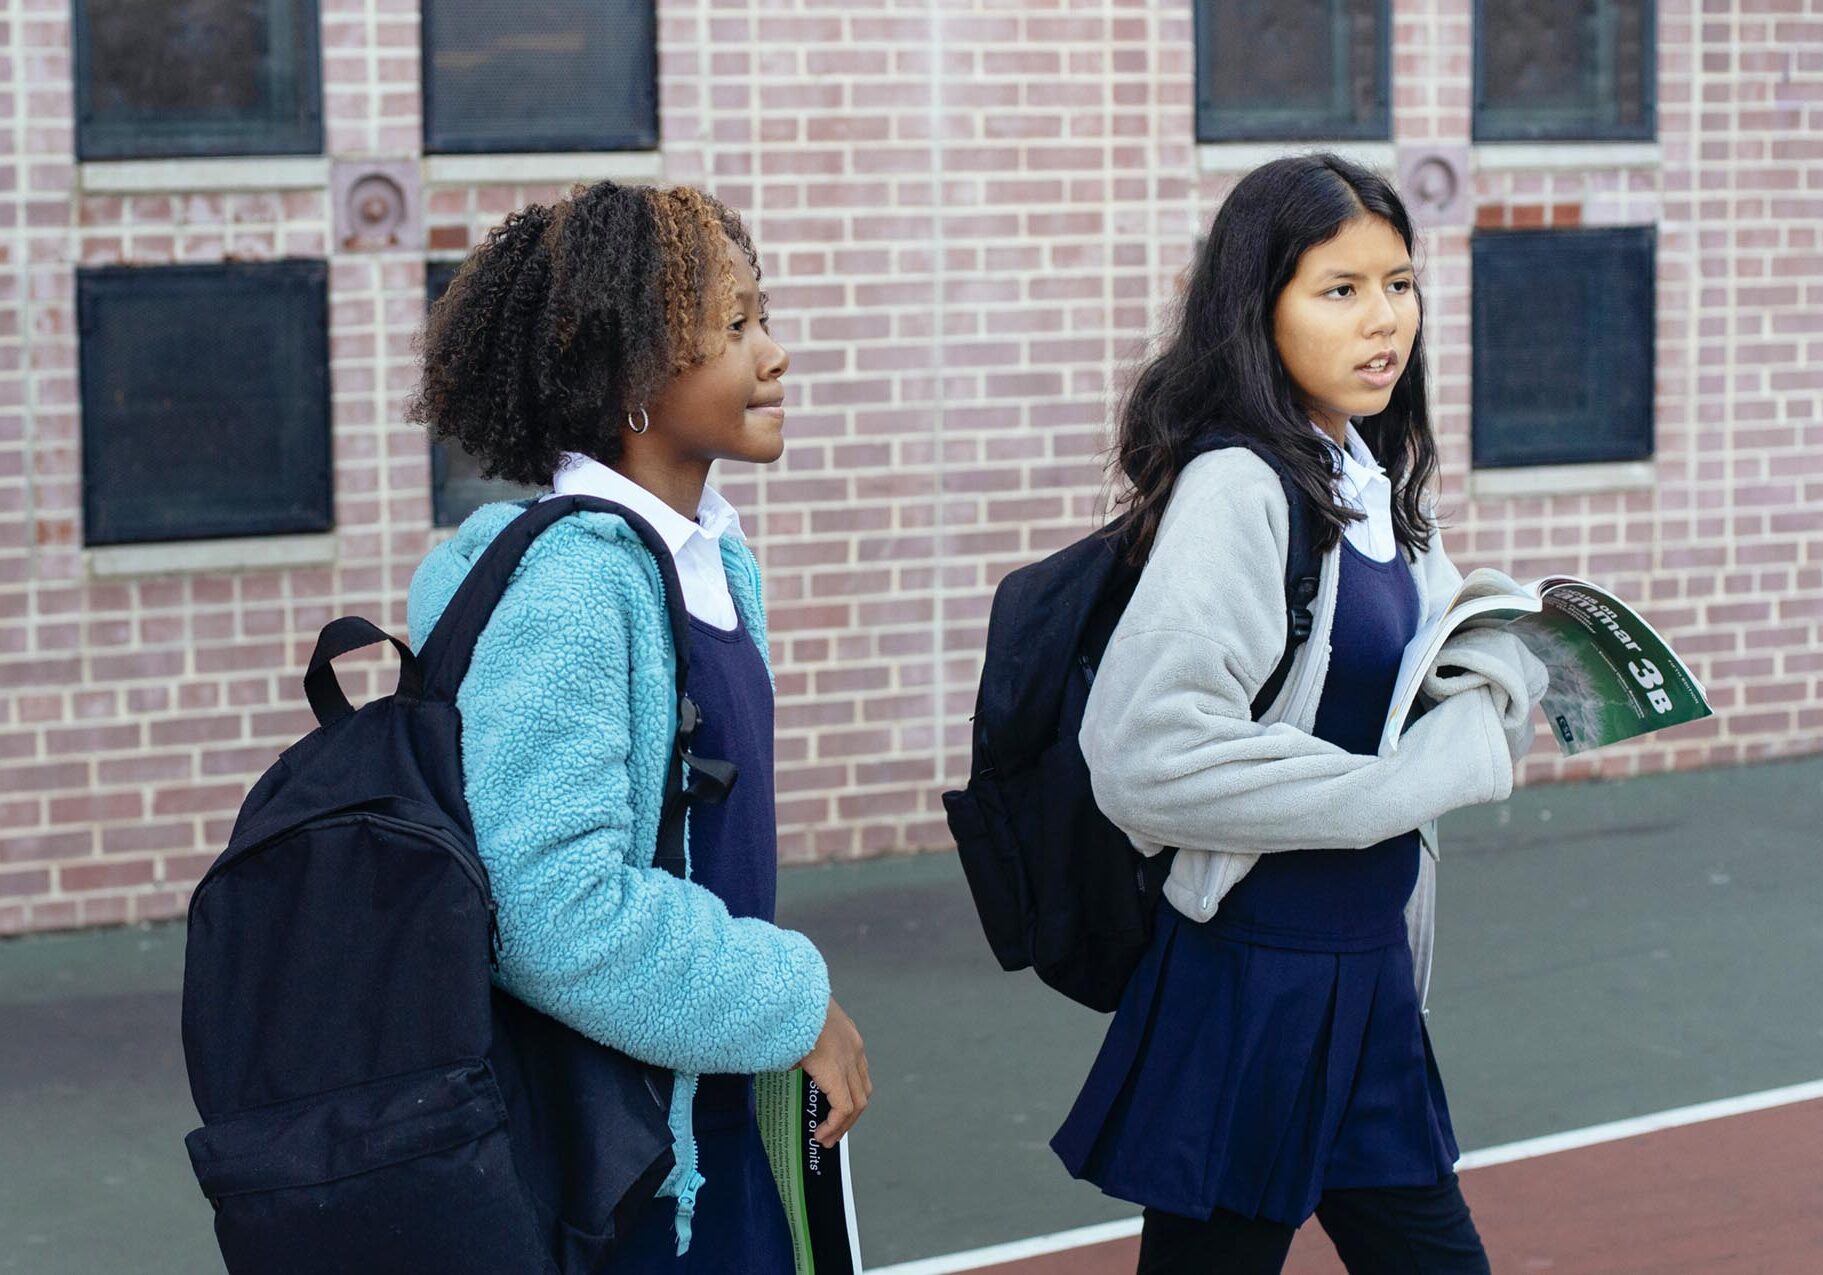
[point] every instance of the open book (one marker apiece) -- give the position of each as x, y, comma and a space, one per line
813, 1180
1612, 675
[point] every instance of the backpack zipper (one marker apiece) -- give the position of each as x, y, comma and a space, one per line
468, 859
471, 864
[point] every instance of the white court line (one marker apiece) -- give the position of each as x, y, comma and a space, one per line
1037, 1246
1529, 1148
1615, 1130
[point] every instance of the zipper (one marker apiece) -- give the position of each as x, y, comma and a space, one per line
469, 861
471, 864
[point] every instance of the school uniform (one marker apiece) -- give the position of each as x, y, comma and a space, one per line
739, 1222
567, 718
1269, 1060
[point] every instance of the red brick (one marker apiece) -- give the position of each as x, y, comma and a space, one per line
161, 905
108, 909
145, 768
198, 730
198, 799
97, 807
76, 878
92, 739
186, 867
15, 780
147, 836
21, 673
36, 847
25, 884
57, 915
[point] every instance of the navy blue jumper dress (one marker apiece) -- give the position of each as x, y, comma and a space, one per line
739, 1223
1278, 1050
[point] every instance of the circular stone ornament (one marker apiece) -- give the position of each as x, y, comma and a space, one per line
376, 206
1435, 183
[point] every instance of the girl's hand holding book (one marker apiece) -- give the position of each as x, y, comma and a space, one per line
838, 1064
1498, 660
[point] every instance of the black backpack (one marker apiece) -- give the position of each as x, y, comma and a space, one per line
370, 1101
1057, 886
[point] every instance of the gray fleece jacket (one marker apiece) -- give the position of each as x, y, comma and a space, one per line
1174, 757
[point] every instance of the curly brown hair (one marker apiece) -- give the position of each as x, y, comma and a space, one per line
568, 317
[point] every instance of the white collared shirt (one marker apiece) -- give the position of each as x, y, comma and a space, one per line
695, 546
1362, 484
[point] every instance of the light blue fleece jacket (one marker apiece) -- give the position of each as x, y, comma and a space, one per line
568, 712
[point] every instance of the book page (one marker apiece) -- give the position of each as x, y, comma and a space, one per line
813, 1180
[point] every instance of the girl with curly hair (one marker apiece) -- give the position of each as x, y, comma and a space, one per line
615, 344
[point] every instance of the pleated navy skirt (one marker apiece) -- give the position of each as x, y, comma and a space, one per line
1253, 1078
1278, 1050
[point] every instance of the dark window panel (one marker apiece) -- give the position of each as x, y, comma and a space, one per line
197, 78
1565, 70
205, 401
540, 75
1563, 346
1292, 69
456, 485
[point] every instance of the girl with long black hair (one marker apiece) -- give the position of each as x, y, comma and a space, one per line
1269, 1059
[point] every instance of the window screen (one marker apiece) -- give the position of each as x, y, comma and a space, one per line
1563, 354
1565, 70
197, 77
1291, 69
205, 401
456, 485
540, 75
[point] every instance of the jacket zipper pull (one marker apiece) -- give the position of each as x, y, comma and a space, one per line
493, 935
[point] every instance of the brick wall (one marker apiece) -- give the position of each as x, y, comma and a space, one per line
970, 217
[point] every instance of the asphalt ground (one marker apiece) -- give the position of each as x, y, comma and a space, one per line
1605, 951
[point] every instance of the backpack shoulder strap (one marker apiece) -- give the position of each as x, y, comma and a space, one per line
450, 647
1302, 564
1301, 577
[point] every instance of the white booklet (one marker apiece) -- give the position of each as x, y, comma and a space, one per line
813, 1180
1612, 676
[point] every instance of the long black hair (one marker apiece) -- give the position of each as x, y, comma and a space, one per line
1220, 368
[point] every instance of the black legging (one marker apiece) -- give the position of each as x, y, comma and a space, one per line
1423, 1230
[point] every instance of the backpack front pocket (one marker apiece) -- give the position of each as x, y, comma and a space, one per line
412, 1173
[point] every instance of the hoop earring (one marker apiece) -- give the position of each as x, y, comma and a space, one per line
645, 422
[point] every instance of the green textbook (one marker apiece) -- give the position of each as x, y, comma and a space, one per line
1612, 676
813, 1179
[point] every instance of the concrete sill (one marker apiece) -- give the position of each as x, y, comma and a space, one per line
1561, 480
540, 169
243, 553
151, 176
1242, 157
1491, 157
